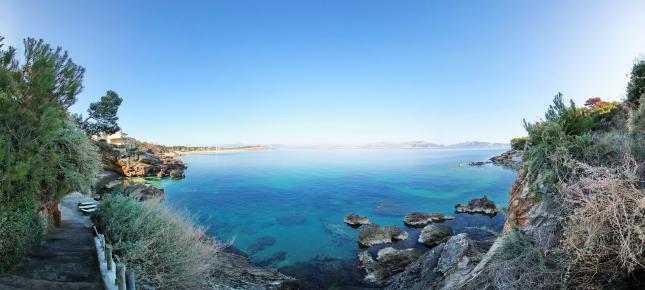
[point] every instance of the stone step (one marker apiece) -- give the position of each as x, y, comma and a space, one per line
14, 282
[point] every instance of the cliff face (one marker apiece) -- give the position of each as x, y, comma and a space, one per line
141, 164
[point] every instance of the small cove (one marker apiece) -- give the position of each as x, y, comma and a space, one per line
285, 208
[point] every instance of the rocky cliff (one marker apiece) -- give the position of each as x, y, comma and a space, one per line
139, 163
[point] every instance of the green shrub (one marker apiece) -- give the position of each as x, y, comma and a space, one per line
20, 227
519, 143
163, 248
636, 85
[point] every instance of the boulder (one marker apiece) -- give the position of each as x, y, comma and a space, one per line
421, 219
144, 191
388, 261
440, 268
355, 220
478, 205
374, 234
434, 234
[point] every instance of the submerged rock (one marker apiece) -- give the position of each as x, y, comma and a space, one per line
389, 209
272, 260
341, 231
374, 234
144, 191
421, 219
440, 268
260, 244
388, 261
433, 234
355, 220
291, 219
478, 205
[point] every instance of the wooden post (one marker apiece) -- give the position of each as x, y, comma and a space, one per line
108, 256
130, 281
120, 276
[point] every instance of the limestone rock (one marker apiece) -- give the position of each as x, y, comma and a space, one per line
440, 268
511, 159
434, 234
374, 234
421, 219
388, 261
478, 205
355, 220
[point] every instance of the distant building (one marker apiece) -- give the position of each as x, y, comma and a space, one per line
119, 138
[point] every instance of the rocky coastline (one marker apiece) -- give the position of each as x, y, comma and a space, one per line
231, 268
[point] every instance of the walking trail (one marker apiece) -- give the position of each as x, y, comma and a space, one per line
65, 259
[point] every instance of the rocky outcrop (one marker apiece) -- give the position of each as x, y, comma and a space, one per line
441, 268
144, 192
388, 261
140, 163
478, 205
374, 234
434, 234
421, 219
355, 220
511, 159
233, 271
531, 214
148, 164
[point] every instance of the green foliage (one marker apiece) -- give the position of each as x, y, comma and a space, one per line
638, 131
20, 227
163, 248
519, 143
636, 85
42, 155
102, 115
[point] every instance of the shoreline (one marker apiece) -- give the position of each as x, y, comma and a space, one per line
217, 151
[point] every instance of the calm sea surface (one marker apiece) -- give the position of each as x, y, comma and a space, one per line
287, 206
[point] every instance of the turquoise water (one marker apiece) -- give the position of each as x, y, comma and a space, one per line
287, 206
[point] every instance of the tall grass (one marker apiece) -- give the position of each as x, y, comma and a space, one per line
165, 249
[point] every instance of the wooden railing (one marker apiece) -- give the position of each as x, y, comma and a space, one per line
113, 271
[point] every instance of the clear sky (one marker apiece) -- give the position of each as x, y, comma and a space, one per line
303, 72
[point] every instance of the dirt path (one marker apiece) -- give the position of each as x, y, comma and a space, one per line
65, 259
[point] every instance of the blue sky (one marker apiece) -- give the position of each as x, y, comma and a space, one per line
348, 72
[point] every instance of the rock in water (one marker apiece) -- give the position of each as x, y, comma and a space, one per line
388, 261
433, 234
511, 159
440, 268
355, 220
421, 219
374, 234
478, 205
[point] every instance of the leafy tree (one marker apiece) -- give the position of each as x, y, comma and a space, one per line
43, 156
636, 85
102, 115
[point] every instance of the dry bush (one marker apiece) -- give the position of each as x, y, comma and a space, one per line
163, 248
605, 227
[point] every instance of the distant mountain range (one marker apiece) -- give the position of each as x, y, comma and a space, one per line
398, 145
424, 144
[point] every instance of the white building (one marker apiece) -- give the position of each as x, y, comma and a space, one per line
119, 138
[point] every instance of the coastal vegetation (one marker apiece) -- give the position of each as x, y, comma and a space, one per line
584, 167
43, 155
163, 247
